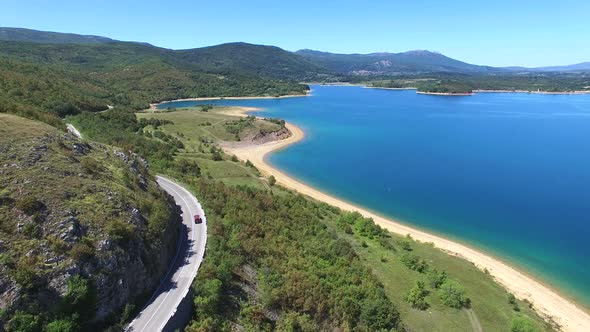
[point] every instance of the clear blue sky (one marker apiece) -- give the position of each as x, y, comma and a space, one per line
497, 32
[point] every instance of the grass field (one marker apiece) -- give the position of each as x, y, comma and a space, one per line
200, 131
489, 301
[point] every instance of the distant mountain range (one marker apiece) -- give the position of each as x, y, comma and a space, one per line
580, 67
418, 61
276, 63
390, 63
35, 36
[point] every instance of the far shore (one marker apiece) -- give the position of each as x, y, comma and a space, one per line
547, 301
445, 93
577, 92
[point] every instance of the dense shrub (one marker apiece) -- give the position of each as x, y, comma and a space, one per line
90, 165
61, 325
187, 167
79, 299
414, 262
23, 322
272, 180
29, 205
523, 324
120, 231
82, 250
301, 265
436, 278
26, 274
512, 301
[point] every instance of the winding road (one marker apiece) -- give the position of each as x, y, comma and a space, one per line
176, 284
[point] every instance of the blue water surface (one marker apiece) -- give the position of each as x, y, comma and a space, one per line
505, 172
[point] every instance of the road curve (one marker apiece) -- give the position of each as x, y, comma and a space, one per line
190, 252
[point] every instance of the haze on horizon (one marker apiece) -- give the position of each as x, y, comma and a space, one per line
502, 33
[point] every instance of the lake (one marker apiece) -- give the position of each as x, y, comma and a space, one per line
505, 172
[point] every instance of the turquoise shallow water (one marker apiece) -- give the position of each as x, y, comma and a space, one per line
508, 173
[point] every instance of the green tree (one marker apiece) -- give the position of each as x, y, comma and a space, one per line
271, 180
414, 262
452, 294
378, 314
417, 296
207, 299
405, 245
436, 278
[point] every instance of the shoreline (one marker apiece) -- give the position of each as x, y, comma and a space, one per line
154, 106
445, 93
576, 92
548, 303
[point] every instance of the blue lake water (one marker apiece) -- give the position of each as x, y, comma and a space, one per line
508, 173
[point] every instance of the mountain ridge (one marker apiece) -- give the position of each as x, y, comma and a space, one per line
36, 36
308, 62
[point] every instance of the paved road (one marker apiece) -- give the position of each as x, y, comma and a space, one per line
176, 284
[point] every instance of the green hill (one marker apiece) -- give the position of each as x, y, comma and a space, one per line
46, 81
261, 60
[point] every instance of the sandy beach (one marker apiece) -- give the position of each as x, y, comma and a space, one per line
548, 302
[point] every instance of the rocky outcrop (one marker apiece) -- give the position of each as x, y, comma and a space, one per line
263, 137
69, 208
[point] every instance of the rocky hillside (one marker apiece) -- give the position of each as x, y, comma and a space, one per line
85, 232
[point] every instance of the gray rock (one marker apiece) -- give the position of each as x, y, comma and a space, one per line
121, 156
81, 148
105, 245
59, 283
70, 230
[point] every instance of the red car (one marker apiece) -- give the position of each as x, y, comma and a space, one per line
198, 219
